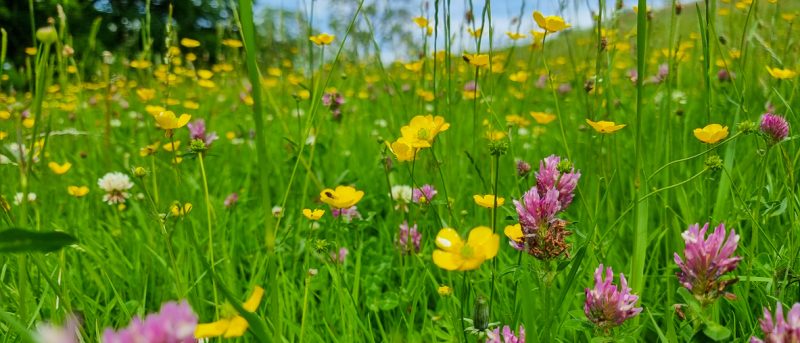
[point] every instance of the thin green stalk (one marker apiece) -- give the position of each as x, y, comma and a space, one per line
639, 218
209, 220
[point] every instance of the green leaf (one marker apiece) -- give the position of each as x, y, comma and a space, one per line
20, 240
716, 332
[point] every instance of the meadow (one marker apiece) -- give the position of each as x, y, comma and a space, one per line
493, 193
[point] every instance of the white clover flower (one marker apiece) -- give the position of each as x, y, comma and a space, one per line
116, 185
402, 193
18, 198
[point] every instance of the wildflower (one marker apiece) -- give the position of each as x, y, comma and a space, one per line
707, 260
234, 326
168, 121
116, 185
348, 214
277, 211
402, 150
507, 335
774, 128
421, 22
778, 329
515, 35
515, 236
178, 210
523, 168
444, 290
174, 323
18, 198
232, 43
341, 197
59, 169
542, 117
478, 60
711, 133
322, 39
408, 240
333, 101
488, 200
340, 256
607, 305
782, 74
171, 146
551, 23
559, 174
197, 130
190, 43
519, 77
231, 200
455, 254
423, 194
48, 333
422, 130
605, 126
543, 233
314, 214
78, 191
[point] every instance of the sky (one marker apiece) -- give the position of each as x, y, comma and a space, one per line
575, 12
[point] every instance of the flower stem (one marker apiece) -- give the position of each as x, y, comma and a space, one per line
209, 220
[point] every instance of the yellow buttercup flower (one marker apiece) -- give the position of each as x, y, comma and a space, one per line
179, 211
171, 146
542, 117
322, 39
478, 60
515, 35
402, 150
488, 200
782, 74
711, 133
475, 33
168, 121
140, 64
605, 126
234, 326
414, 66
146, 94
550, 23
5, 115
422, 130
341, 197
190, 43
520, 76
232, 43
59, 169
78, 191
314, 214
3, 135
150, 149
514, 233
421, 22
453, 253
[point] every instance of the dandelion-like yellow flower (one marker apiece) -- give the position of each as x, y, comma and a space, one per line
59, 169
488, 200
605, 126
314, 214
78, 191
711, 133
322, 39
168, 121
453, 253
341, 197
234, 326
550, 23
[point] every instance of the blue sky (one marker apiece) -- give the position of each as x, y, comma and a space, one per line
576, 13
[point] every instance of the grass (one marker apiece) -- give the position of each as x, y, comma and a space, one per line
640, 187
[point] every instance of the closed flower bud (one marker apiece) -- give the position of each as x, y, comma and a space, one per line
139, 172
480, 320
47, 35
